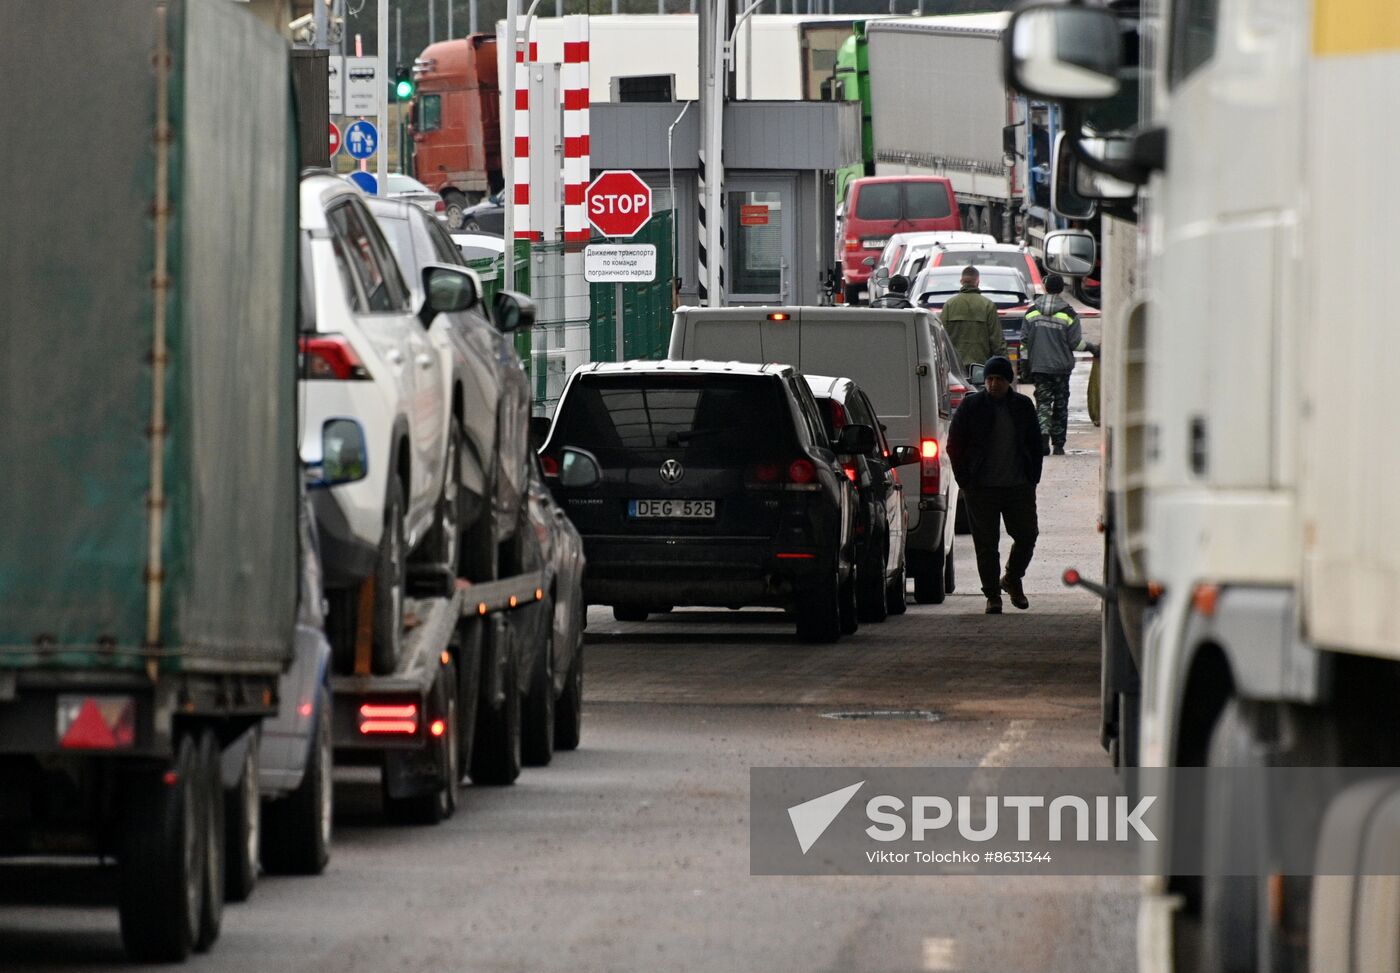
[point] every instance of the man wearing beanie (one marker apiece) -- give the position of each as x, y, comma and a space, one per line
1050, 335
994, 446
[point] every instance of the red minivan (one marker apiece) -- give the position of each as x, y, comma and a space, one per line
877, 207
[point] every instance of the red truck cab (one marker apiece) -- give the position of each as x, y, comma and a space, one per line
455, 122
876, 208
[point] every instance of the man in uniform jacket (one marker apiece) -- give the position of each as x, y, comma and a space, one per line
971, 320
1050, 335
994, 446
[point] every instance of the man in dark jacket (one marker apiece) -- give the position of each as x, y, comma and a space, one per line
994, 445
897, 296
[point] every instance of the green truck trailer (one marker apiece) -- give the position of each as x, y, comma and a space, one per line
148, 534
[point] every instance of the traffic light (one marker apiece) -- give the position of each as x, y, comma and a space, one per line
403, 84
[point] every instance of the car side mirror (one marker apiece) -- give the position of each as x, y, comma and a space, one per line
868, 262
903, 456
1062, 53
539, 431
1070, 253
578, 469
856, 438
881, 276
977, 374
447, 289
344, 457
512, 311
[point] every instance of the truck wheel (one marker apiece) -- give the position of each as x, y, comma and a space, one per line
1230, 902
537, 730
389, 586
928, 577
950, 574
870, 602
439, 803
496, 754
1355, 916
850, 616
161, 882
896, 594
818, 610
211, 916
296, 832
455, 204
242, 822
568, 714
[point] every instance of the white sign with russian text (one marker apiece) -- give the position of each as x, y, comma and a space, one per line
608, 263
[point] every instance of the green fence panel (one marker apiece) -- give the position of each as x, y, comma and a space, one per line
491, 270
646, 308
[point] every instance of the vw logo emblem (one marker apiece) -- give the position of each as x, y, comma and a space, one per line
672, 471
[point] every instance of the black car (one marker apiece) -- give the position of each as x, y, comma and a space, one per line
487, 216
719, 487
881, 520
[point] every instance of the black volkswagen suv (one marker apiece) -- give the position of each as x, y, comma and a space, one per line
719, 487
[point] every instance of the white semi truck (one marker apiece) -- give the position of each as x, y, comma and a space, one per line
1253, 532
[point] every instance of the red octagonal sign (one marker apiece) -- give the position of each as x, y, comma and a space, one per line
619, 203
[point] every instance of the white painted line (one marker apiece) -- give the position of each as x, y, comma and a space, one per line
940, 954
1014, 736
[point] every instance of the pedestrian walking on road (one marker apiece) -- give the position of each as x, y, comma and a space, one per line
994, 445
971, 320
897, 296
1050, 335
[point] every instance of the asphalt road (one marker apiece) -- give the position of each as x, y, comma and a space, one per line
632, 853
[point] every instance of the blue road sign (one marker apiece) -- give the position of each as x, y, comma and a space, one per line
361, 139
366, 182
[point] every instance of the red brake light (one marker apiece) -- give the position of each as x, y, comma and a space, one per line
549, 465
389, 718
331, 357
930, 474
438, 728
850, 469
802, 471
852, 243
440, 207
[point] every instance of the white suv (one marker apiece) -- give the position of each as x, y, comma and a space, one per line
375, 414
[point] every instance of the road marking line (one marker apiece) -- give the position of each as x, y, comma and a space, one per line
1014, 736
940, 954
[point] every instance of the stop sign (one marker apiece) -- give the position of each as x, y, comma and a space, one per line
619, 203
335, 140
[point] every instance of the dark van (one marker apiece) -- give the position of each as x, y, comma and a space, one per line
877, 207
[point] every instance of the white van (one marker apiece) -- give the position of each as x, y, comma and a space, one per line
896, 357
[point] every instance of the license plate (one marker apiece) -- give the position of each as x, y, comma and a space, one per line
874, 244
671, 509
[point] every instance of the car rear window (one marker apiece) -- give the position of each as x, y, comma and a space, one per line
878, 201
986, 258
926, 201
717, 418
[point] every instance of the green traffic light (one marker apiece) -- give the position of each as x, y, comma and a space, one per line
404, 90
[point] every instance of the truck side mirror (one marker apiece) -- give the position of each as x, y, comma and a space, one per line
1061, 53
1070, 253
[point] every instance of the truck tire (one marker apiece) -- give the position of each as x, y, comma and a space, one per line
896, 594
211, 915
568, 713
242, 824
496, 756
389, 586
1355, 917
538, 713
438, 803
871, 602
928, 577
818, 610
1230, 903
296, 830
850, 615
161, 877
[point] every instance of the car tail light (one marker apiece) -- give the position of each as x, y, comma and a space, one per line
765, 473
440, 206
850, 469
802, 471
955, 394
549, 465
389, 719
798, 475
852, 243
930, 474
331, 357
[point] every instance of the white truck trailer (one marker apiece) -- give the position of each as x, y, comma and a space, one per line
1250, 463
939, 107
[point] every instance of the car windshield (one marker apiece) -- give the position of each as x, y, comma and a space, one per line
722, 419
399, 183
